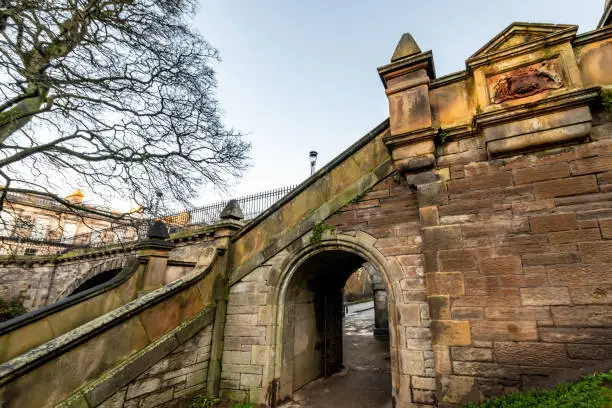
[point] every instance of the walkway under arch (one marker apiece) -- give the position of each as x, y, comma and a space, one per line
313, 357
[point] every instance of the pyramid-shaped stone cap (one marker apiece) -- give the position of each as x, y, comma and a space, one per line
232, 211
406, 47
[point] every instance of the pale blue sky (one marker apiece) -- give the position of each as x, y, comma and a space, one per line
301, 75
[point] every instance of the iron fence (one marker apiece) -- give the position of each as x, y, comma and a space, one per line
25, 240
252, 205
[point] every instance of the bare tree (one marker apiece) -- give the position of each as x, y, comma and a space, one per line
116, 96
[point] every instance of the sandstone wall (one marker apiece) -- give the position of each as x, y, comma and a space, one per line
384, 222
520, 248
171, 382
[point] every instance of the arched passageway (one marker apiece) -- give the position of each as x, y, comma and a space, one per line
96, 280
329, 358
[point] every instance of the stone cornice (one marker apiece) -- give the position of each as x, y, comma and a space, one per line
564, 35
552, 104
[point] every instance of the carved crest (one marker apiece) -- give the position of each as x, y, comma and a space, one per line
526, 81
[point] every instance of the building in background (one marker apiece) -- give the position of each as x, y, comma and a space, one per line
32, 224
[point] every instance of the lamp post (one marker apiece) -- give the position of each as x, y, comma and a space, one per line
159, 196
313, 161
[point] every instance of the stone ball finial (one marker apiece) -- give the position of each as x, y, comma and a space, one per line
406, 47
232, 211
158, 230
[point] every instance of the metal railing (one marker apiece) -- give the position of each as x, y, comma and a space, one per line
24, 241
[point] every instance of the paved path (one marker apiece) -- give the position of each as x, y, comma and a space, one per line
366, 380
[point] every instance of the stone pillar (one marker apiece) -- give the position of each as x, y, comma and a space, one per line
381, 314
157, 249
406, 80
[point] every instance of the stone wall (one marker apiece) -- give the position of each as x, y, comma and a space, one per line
384, 222
171, 382
520, 249
40, 284
46, 282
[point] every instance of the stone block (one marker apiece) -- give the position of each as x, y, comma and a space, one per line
531, 354
596, 252
502, 265
412, 362
471, 354
410, 110
250, 380
236, 357
439, 307
540, 173
587, 274
245, 331
504, 330
442, 359
582, 316
565, 187
467, 313
451, 332
241, 320
575, 335
606, 228
590, 295
590, 351
483, 182
139, 388
260, 354
431, 195
442, 237
543, 296
581, 235
529, 313
550, 258
457, 389
423, 383
553, 222
493, 370
445, 283
423, 396
429, 216
157, 399
408, 314
591, 165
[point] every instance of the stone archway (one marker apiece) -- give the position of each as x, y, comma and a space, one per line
309, 284
109, 265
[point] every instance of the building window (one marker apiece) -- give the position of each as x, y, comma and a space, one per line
68, 233
30, 251
7, 222
40, 229
95, 237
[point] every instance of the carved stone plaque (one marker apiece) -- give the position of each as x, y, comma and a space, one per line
526, 81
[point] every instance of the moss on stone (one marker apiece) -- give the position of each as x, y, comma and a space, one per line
318, 230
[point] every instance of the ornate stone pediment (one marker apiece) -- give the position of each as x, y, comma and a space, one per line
522, 37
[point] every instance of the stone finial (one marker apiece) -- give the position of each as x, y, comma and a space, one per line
406, 47
158, 230
232, 211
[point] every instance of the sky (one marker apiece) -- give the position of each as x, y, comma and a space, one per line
297, 76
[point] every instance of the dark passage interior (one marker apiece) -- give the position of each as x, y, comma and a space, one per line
328, 357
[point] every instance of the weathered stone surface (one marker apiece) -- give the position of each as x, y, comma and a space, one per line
545, 296
451, 332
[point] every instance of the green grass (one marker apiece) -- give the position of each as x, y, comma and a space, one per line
593, 391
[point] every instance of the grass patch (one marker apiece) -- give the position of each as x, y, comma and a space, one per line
593, 391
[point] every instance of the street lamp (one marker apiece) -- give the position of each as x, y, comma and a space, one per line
313, 161
159, 196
